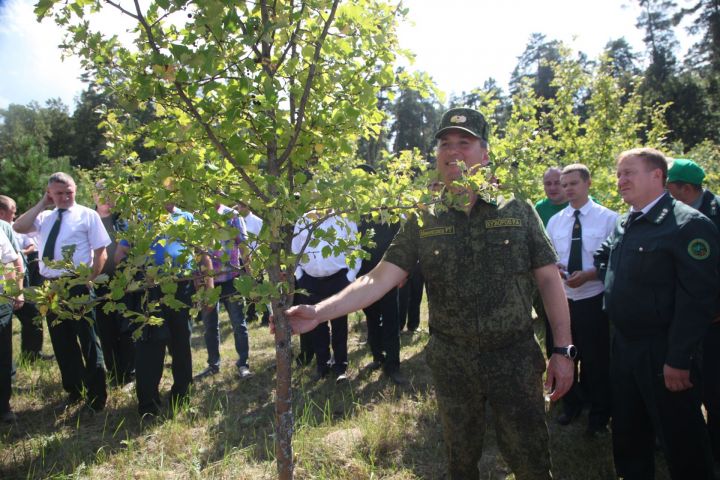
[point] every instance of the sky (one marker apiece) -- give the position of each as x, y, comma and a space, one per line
460, 44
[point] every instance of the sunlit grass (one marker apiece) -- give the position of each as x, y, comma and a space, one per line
366, 428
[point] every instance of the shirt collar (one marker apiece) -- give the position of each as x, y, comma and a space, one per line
584, 210
650, 205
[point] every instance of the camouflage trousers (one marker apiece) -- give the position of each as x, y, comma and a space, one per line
510, 381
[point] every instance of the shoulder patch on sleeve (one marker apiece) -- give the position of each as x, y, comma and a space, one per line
698, 249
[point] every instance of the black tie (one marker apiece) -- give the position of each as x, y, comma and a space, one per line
49, 250
575, 260
632, 217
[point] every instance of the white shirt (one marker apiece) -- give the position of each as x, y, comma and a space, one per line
597, 223
81, 229
253, 225
314, 264
27, 239
7, 255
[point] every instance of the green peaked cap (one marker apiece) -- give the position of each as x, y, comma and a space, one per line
684, 170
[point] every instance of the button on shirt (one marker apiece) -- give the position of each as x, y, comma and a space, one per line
314, 264
597, 223
81, 231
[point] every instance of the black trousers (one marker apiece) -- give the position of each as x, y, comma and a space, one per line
642, 407
6, 363
78, 354
591, 335
115, 332
31, 331
174, 333
384, 331
319, 340
410, 298
711, 386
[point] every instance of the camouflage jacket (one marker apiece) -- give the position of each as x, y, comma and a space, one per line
478, 269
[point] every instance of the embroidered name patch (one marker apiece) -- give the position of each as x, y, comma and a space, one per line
503, 222
437, 231
699, 249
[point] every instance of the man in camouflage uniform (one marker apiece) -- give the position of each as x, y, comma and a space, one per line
685, 179
479, 260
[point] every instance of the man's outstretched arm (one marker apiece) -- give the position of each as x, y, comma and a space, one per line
560, 369
364, 291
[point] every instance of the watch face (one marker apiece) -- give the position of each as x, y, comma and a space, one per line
572, 351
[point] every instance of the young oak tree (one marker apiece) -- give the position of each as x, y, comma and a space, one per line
259, 102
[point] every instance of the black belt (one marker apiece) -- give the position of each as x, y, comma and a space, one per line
333, 276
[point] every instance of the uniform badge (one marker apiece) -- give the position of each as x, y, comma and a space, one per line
699, 249
437, 231
458, 119
503, 222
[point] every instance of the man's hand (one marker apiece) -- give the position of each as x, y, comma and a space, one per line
560, 372
576, 279
47, 200
18, 302
302, 318
676, 380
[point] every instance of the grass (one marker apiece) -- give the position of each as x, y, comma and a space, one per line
365, 429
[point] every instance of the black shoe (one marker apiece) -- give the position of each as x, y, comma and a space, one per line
8, 417
341, 378
372, 366
209, 371
566, 418
397, 378
70, 400
317, 376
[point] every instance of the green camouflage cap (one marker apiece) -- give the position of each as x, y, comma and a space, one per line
687, 171
465, 119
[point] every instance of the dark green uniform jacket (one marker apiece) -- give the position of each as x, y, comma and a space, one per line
478, 269
661, 277
710, 207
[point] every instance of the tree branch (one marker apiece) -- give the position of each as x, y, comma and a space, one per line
194, 112
308, 84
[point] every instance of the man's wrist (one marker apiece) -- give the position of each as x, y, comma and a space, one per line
568, 351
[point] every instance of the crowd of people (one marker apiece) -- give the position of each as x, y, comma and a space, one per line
631, 302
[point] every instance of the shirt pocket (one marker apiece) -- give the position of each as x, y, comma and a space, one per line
593, 239
644, 261
436, 257
507, 254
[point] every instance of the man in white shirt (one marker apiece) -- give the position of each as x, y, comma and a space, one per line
75, 232
322, 276
11, 268
31, 333
577, 232
253, 226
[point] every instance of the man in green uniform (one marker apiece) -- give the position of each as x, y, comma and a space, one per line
661, 282
685, 179
555, 196
479, 260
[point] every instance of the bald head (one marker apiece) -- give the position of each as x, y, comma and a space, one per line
551, 184
7, 208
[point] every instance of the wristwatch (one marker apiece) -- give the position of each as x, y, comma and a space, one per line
569, 351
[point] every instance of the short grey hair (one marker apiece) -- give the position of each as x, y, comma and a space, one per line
61, 177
